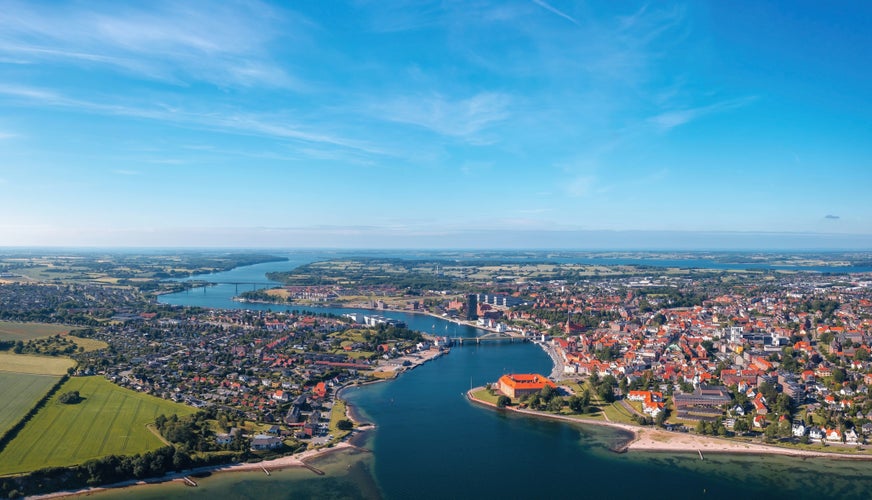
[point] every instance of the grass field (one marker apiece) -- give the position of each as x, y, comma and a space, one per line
19, 392
37, 365
88, 344
110, 420
26, 331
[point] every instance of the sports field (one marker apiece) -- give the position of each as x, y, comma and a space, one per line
10, 330
37, 365
110, 420
19, 392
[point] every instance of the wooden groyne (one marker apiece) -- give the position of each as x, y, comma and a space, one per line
189, 482
313, 469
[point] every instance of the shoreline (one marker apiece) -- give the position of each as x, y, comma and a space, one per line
297, 460
449, 319
654, 440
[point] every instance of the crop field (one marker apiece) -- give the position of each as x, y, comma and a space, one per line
10, 330
110, 420
19, 392
37, 365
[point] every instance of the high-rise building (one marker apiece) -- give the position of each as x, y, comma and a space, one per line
471, 307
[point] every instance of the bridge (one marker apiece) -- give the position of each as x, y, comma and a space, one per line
254, 284
488, 337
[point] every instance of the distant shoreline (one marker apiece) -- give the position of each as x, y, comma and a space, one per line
650, 439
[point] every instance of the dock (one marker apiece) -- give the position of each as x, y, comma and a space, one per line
189, 482
700, 454
265, 471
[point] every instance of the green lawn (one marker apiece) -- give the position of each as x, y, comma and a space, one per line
485, 395
110, 420
37, 365
617, 413
19, 392
337, 414
10, 330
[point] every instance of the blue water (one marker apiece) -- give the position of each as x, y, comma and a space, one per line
432, 443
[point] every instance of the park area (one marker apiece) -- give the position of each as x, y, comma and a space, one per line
109, 420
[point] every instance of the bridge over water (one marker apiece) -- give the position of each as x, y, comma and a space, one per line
254, 284
488, 337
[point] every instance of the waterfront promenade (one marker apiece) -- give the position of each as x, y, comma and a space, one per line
652, 439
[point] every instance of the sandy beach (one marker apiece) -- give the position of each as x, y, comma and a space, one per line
296, 460
650, 439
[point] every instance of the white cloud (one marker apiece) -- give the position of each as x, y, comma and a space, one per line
227, 43
581, 186
462, 118
675, 118
555, 11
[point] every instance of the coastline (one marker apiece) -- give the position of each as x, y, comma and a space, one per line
297, 460
654, 440
290, 461
449, 319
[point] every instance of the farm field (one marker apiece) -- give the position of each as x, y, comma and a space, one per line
36, 365
110, 420
19, 392
10, 330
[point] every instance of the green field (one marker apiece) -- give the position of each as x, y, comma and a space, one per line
10, 330
19, 392
88, 344
37, 365
110, 420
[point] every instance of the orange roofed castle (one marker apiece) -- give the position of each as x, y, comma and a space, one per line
519, 385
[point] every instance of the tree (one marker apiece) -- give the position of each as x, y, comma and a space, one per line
741, 426
839, 375
660, 418
606, 393
503, 401
555, 404
547, 393
344, 425
861, 354
70, 398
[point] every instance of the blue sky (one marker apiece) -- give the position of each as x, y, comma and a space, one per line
452, 124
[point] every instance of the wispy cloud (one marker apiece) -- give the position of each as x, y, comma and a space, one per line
228, 44
675, 118
550, 8
127, 172
275, 125
580, 186
464, 118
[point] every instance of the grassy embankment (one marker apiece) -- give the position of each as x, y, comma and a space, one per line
110, 420
612, 412
337, 414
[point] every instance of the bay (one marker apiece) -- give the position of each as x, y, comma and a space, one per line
432, 443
